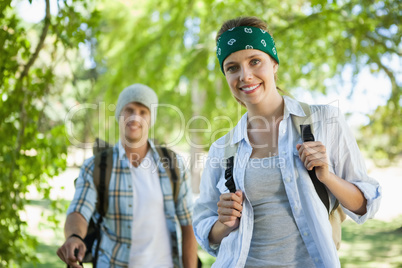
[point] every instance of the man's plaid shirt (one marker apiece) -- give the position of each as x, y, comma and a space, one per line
116, 226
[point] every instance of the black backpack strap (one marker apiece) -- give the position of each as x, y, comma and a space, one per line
101, 176
98, 241
169, 160
229, 156
229, 175
319, 186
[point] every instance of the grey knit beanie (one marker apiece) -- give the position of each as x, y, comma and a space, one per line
138, 93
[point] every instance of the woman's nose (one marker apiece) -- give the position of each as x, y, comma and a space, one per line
245, 74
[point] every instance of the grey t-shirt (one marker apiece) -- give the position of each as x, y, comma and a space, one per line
276, 241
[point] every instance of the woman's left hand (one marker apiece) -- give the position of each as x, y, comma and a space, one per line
313, 154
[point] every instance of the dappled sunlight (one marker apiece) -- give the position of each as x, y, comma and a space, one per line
373, 244
62, 62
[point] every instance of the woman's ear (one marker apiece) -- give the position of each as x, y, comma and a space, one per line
276, 66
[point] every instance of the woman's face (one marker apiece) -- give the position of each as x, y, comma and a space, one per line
250, 74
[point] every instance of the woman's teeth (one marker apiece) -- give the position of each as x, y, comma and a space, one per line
250, 88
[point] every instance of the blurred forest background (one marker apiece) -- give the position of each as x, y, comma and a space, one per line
63, 63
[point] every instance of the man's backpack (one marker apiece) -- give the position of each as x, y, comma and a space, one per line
101, 176
304, 126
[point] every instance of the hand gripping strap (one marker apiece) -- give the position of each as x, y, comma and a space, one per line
304, 126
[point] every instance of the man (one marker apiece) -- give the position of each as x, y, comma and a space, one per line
140, 228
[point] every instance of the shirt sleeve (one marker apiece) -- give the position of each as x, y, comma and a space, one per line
348, 163
206, 208
184, 206
85, 193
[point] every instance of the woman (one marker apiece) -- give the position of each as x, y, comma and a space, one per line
275, 217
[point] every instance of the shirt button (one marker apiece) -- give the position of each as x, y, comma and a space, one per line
316, 259
287, 179
305, 234
129, 227
284, 131
129, 205
129, 186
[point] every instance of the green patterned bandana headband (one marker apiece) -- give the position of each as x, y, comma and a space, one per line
244, 37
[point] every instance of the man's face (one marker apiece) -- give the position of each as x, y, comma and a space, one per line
134, 123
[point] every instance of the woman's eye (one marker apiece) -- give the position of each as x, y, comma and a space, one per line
231, 69
255, 61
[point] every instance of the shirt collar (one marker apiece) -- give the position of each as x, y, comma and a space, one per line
291, 107
122, 152
240, 131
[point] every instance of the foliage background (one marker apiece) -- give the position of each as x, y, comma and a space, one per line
60, 77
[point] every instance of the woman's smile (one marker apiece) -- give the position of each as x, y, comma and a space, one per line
248, 89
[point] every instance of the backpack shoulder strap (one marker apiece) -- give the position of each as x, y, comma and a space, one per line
101, 176
169, 160
305, 128
229, 156
99, 146
299, 121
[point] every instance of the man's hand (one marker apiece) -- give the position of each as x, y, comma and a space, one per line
67, 251
75, 224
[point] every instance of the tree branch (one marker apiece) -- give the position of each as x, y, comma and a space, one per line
19, 85
309, 18
40, 43
378, 42
395, 92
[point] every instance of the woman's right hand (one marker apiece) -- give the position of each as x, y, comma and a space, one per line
230, 207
